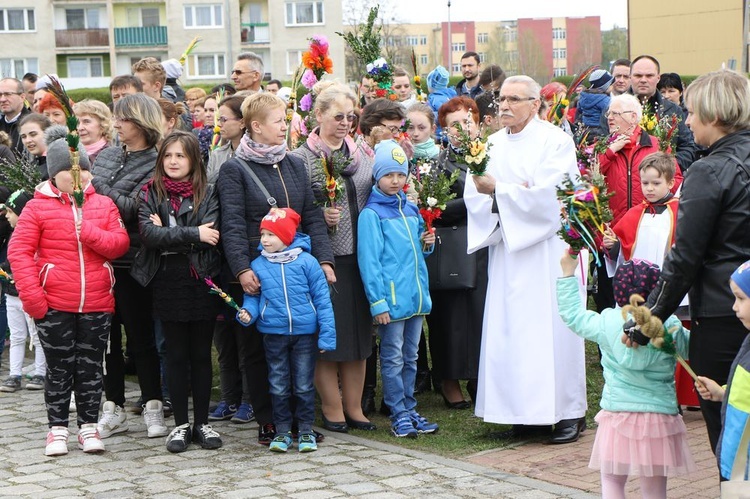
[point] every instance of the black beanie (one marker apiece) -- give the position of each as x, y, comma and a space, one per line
17, 201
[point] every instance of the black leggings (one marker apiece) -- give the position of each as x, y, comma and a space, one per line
188, 362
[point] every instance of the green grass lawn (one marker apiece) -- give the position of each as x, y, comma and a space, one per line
461, 433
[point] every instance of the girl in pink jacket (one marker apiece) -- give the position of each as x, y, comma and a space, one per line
60, 257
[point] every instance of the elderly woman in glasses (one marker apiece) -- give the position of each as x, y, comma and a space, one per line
334, 114
629, 144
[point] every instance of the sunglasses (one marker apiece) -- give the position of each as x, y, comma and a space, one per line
348, 117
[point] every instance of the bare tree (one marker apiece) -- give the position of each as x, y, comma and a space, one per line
614, 45
499, 52
584, 55
531, 57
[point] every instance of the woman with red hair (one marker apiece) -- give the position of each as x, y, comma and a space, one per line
52, 109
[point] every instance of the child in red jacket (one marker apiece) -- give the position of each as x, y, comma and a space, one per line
60, 257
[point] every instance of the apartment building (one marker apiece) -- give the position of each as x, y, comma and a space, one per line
540, 47
86, 42
691, 37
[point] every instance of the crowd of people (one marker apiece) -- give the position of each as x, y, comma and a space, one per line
182, 192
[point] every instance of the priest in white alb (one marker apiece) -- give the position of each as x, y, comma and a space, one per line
531, 368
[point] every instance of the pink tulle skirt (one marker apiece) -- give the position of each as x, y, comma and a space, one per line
642, 444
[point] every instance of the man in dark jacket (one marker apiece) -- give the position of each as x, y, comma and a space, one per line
13, 109
470, 67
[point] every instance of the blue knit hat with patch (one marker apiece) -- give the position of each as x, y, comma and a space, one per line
741, 277
438, 78
389, 158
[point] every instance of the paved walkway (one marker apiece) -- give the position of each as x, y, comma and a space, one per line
567, 465
135, 466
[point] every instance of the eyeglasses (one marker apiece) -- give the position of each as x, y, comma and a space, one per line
392, 128
616, 114
6, 95
224, 119
514, 99
239, 72
348, 117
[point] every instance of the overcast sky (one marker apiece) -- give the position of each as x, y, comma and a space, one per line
611, 12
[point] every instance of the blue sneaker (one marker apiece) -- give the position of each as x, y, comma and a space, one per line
403, 427
307, 442
281, 442
222, 412
244, 414
421, 424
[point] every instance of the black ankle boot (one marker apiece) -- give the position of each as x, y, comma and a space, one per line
423, 382
368, 400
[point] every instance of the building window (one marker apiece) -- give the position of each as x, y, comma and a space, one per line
510, 35
203, 16
423, 59
558, 33
459, 47
483, 38
482, 57
293, 60
82, 18
456, 68
561, 71
559, 53
423, 40
304, 13
16, 68
14, 20
207, 66
412, 40
85, 67
143, 17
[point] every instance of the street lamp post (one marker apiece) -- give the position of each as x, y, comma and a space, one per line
450, 42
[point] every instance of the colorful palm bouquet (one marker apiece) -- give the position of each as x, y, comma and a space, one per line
473, 150
433, 188
331, 189
587, 153
559, 107
584, 211
366, 46
216, 137
421, 97
317, 63
661, 127
216, 290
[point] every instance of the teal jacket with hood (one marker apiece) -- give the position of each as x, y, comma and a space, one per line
390, 256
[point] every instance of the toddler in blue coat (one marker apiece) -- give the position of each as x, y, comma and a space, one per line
294, 303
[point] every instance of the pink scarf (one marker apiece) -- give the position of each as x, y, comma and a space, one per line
93, 149
316, 145
249, 150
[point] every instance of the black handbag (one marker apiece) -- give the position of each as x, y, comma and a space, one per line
449, 267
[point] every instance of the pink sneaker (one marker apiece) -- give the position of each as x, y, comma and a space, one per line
88, 438
57, 441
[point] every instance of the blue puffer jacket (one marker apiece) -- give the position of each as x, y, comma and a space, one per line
635, 379
390, 256
294, 296
592, 105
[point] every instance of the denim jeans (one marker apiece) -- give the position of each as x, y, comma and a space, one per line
399, 342
291, 369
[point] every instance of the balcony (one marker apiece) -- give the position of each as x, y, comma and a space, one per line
255, 33
147, 36
81, 38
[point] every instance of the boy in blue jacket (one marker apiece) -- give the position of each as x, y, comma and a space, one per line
294, 303
390, 253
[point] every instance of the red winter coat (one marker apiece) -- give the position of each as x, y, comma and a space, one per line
56, 269
620, 170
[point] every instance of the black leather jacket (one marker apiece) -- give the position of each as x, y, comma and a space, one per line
184, 238
712, 237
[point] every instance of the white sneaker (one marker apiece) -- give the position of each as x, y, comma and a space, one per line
88, 438
153, 416
72, 407
57, 441
113, 420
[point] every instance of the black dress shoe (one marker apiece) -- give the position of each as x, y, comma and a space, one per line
568, 431
360, 425
461, 404
518, 431
337, 426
